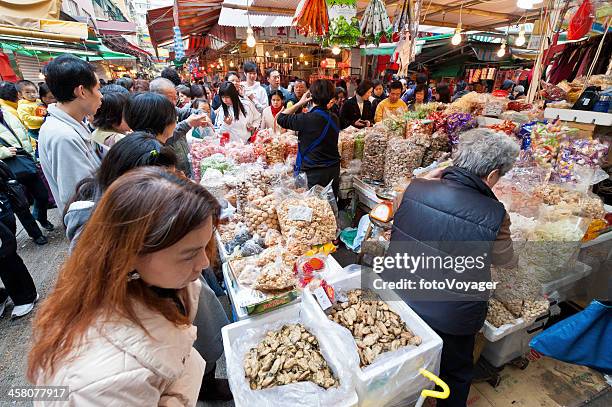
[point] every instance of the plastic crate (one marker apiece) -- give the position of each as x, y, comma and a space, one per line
394, 381
232, 332
512, 345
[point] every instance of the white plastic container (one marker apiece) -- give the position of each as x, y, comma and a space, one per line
231, 333
393, 380
514, 344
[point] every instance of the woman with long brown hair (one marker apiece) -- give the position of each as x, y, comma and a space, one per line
117, 327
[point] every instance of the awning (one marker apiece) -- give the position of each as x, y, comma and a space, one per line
45, 50
195, 17
109, 27
120, 44
26, 14
258, 13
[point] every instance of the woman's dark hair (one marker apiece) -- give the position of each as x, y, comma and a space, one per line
196, 102
197, 91
276, 93
8, 91
171, 74
249, 66
67, 72
443, 92
363, 87
149, 112
377, 83
340, 90
228, 89
138, 149
110, 113
420, 87
421, 78
126, 82
322, 91
43, 90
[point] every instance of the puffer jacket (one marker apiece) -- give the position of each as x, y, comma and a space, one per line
118, 364
21, 141
457, 215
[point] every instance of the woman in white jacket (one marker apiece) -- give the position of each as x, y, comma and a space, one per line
117, 329
234, 115
268, 117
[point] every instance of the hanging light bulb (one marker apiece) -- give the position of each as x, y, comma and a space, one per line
41, 75
284, 55
275, 56
336, 50
231, 64
298, 63
456, 40
520, 40
525, 4
220, 61
306, 63
250, 41
301, 55
267, 54
502, 49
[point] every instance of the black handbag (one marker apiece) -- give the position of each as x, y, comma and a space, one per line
14, 191
22, 164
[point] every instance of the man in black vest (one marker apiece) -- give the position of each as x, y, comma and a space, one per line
456, 214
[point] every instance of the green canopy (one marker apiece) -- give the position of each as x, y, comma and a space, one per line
94, 52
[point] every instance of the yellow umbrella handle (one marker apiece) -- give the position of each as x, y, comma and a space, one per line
433, 393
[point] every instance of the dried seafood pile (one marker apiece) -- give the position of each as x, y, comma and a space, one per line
375, 327
288, 355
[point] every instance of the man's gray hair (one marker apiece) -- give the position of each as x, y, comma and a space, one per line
482, 151
158, 85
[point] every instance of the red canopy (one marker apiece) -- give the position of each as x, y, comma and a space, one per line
195, 17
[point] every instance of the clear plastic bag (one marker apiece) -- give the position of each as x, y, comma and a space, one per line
307, 219
295, 394
373, 162
403, 157
346, 147
260, 214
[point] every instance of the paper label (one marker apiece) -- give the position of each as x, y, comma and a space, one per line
300, 213
322, 298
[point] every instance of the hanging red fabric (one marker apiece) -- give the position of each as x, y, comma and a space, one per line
581, 22
6, 71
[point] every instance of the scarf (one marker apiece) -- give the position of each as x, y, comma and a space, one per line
276, 111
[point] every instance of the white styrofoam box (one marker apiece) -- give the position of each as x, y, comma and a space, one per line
394, 380
579, 116
512, 345
232, 332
